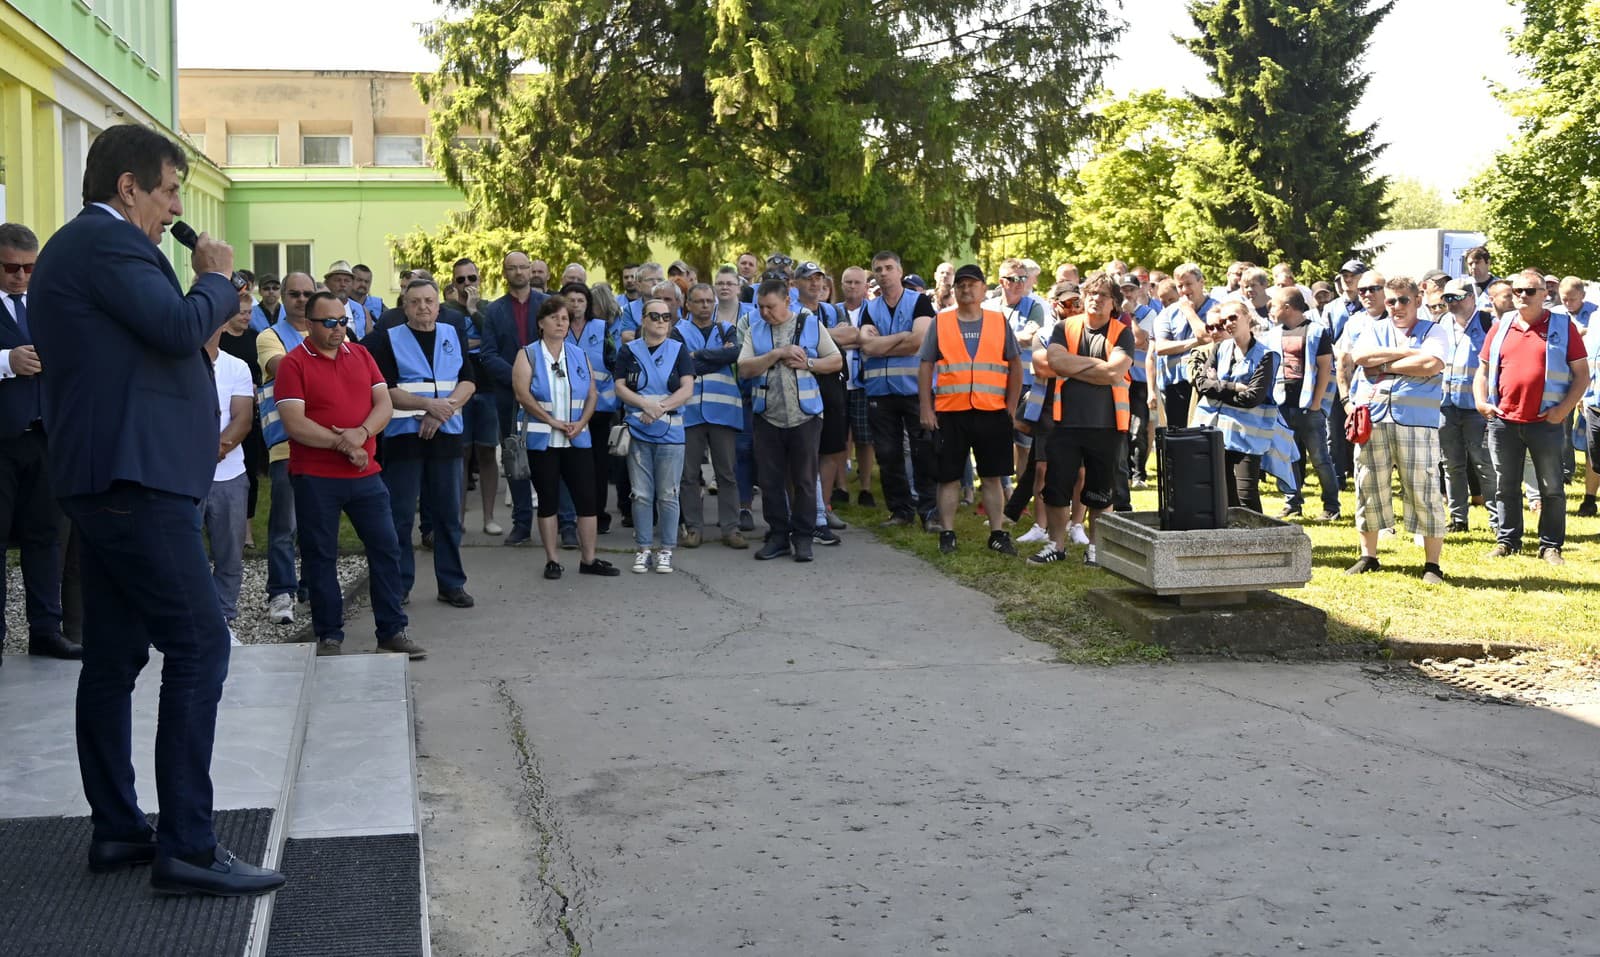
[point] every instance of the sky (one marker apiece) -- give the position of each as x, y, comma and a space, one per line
1413, 80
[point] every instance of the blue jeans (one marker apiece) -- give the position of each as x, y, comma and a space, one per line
655, 471
146, 580
1464, 444
1310, 427
280, 533
437, 482
366, 500
1509, 444
223, 513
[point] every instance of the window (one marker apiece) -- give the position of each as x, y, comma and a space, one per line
280, 258
398, 151
325, 150
252, 149
471, 142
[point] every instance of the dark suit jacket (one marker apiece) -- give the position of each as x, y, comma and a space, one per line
498, 351
128, 392
19, 395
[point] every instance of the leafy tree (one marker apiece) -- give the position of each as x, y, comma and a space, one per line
841, 126
1541, 196
1284, 177
1415, 205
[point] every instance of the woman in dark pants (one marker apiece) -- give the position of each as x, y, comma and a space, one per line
1235, 388
588, 333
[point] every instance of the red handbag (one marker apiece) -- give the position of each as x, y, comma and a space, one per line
1358, 425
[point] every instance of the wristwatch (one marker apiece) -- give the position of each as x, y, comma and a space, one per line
810, 363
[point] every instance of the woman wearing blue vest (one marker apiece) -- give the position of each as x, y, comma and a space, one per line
1235, 389
588, 333
654, 379
556, 389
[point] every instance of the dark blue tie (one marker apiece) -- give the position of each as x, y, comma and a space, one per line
22, 316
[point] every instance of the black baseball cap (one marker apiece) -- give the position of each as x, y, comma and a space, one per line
806, 269
1353, 265
970, 271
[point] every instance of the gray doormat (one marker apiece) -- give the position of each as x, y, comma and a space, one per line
51, 906
349, 897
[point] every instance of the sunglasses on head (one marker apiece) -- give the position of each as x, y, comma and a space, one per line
468, 280
13, 268
334, 323
1530, 291
1397, 301
1369, 289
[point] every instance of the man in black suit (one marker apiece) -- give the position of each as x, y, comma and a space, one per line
28, 513
133, 416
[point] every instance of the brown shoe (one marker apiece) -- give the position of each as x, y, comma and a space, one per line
689, 538
735, 539
328, 646
1501, 550
402, 644
1552, 556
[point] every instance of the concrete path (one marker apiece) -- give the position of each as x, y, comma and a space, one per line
856, 757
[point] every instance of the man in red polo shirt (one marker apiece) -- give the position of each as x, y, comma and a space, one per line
332, 400
1533, 373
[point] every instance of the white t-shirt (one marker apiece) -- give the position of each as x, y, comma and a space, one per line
560, 393
233, 378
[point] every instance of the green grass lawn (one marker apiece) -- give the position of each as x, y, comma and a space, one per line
349, 544
1520, 600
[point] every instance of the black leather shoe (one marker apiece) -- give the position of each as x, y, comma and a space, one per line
54, 645
226, 877
107, 856
457, 597
802, 548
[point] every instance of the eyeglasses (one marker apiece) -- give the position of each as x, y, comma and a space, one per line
1437, 306
658, 316
334, 323
468, 280
13, 268
297, 294
1397, 301
1069, 303
1453, 298
1014, 279
1366, 290
1530, 291
555, 367
271, 287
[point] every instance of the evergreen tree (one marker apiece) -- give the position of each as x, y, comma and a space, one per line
1284, 177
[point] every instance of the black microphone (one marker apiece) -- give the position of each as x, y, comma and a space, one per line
184, 233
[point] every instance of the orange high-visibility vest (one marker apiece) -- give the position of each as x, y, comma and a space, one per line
980, 384
1119, 392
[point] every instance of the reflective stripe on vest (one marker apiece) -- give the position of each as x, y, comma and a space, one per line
978, 383
1557, 375
716, 394
593, 343
805, 383
1119, 392
1405, 400
892, 375
653, 372
1243, 430
272, 430
576, 366
1461, 364
419, 378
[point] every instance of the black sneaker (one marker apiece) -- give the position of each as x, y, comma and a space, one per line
947, 542
1432, 574
552, 571
839, 497
1049, 553
1001, 542
519, 537
747, 521
569, 539
599, 567
775, 547
1364, 564
1586, 508
865, 500
823, 535
802, 548
1458, 527
456, 597
627, 519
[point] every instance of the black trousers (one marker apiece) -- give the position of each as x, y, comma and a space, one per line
1245, 489
30, 519
1138, 428
1176, 398
893, 419
786, 471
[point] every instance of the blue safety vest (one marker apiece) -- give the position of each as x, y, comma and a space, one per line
654, 371
592, 340
1557, 374
575, 363
1315, 333
1257, 431
716, 394
1137, 371
1461, 363
374, 307
807, 338
419, 378
272, 430
1173, 327
891, 375
259, 321
1406, 400
358, 319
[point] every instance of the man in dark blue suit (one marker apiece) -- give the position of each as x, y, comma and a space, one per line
134, 423
28, 513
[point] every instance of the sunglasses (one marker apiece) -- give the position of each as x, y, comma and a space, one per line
1220, 326
1397, 301
1452, 298
334, 323
470, 280
297, 294
271, 287
13, 268
555, 367
1069, 303
1531, 291
1365, 290
658, 316
1014, 279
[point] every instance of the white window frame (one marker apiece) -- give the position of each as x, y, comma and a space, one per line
345, 155
253, 136
379, 141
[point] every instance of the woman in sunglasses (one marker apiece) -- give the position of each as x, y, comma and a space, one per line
1235, 389
654, 380
556, 389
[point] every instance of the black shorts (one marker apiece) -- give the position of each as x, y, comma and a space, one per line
835, 414
1100, 452
987, 435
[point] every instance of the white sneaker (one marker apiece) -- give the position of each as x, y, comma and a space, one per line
280, 611
664, 562
641, 561
1386, 532
233, 639
1034, 534
1077, 535
492, 527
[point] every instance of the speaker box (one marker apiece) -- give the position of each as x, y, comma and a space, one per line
1193, 472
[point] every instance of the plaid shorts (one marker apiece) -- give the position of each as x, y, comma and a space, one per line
1414, 450
856, 406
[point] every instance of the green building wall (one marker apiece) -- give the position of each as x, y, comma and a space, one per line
128, 42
